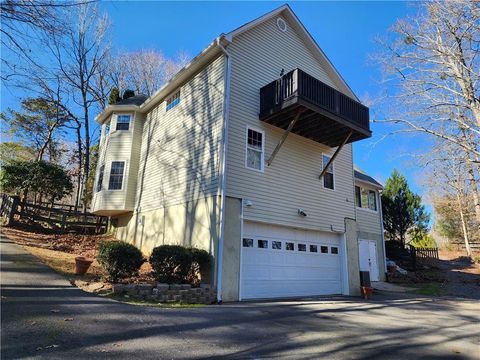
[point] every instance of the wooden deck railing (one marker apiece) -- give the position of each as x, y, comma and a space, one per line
299, 83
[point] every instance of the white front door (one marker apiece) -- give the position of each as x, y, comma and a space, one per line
367, 251
278, 261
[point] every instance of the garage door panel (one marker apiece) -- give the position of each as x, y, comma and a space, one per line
310, 265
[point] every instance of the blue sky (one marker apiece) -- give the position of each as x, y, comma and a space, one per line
344, 30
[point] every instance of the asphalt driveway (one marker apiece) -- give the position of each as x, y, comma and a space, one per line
44, 316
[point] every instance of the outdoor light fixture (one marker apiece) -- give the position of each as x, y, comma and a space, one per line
247, 202
301, 212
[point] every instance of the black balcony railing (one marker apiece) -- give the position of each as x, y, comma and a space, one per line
298, 88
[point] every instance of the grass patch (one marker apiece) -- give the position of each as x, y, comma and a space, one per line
431, 289
152, 303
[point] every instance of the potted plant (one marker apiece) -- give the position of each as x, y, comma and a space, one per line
82, 264
367, 292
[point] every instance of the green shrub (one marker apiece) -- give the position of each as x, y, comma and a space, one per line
120, 259
423, 241
171, 263
201, 263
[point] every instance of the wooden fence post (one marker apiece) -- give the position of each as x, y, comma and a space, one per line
13, 209
413, 254
64, 222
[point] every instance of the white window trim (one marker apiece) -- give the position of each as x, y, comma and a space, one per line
123, 176
367, 209
116, 121
262, 158
333, 172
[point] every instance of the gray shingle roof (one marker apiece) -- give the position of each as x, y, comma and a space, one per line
134, 100
363, 176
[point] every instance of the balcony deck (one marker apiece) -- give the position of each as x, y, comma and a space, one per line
326, 116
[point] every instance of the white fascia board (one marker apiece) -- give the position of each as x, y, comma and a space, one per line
110, 109
376, 186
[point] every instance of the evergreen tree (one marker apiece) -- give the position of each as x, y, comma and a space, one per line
403, 210
114, 96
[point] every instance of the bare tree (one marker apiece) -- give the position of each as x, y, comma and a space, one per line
432, 68
450, 190
144, 71
80, 53
23, 22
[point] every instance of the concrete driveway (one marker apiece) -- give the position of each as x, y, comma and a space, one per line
43, 316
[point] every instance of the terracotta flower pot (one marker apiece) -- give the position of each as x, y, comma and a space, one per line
392, 268
366, 292
82, 264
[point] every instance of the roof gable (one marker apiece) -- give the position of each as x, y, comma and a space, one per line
287, 13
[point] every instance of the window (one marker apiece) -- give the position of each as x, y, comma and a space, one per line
107, 129
328, 180
247, 242
289, 246
334, 250
173, 101
277, 245
313, 248
302, 247
123, 122
262, 244
254, 150
116, 175
365, 198
100, 178
324, 249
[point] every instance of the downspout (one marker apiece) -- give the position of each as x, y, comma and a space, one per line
383, 231
223, 175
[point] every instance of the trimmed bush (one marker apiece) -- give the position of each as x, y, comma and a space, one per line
119, 259
201, 264
171, 264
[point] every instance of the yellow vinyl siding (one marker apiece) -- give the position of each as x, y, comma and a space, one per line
179, 158
117, 146
291, 182
369, 221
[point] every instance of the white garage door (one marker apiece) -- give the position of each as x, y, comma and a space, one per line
282, 262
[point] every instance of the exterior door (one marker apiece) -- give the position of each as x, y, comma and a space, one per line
367, 251
278, 261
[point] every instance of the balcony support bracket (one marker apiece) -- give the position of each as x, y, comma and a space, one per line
284, 137
335, 155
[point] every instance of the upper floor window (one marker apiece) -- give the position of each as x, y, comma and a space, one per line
100, 178
173, 100
254, 149
365, 198
116, 175
328, 177
123, 122
107, 128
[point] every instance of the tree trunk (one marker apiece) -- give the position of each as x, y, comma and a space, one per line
80, 164
464, 226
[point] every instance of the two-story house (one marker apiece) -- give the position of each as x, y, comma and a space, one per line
247, 153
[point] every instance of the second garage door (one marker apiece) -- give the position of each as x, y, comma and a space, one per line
279, 262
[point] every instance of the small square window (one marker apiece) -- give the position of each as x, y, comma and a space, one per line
277, 245
334, 250
173, 101
302, 247
313, 248
324, 249
289, 246
247, 242
123, 122
262, 244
